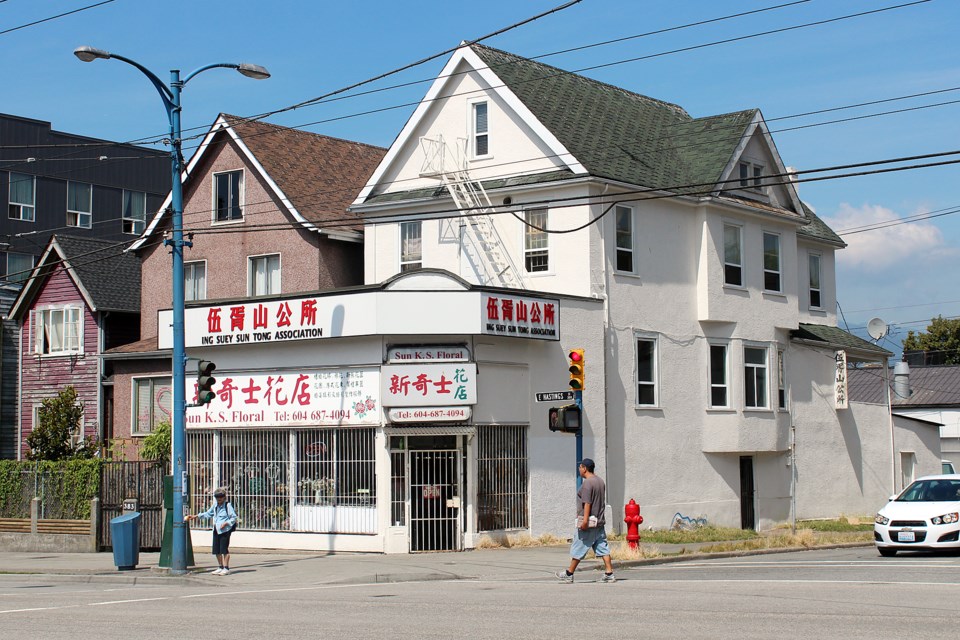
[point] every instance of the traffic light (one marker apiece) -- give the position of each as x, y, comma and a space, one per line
566, 419
205, 382
577, 371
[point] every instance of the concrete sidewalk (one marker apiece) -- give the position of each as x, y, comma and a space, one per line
251, 568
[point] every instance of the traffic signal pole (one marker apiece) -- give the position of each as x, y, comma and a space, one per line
578, 399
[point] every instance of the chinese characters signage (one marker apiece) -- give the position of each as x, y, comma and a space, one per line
429, 384
323, 397
506, 315
841, 379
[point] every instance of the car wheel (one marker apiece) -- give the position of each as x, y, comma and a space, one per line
887, 553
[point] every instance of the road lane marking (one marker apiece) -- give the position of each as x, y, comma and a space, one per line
100, 604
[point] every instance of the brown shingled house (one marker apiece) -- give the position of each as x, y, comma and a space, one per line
266, 210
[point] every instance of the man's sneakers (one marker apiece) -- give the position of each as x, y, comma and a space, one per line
564, 577
222, 571
608, 577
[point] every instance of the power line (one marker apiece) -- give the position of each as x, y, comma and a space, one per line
60, 15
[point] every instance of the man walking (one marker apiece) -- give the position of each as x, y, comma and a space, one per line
590, 534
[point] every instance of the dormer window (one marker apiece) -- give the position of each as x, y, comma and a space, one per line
751, 175
481, 130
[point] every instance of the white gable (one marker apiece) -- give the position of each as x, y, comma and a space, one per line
518, 142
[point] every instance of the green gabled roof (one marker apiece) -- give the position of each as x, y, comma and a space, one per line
835, 337
818, 229
618, 134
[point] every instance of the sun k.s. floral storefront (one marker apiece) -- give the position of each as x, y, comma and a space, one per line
393, 418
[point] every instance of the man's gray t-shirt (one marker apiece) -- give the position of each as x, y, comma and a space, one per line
594, 491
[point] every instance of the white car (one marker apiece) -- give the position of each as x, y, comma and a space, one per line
926, 515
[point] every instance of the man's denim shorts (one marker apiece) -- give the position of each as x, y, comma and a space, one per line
594, 538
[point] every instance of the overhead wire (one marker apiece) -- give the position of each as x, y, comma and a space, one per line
60, 15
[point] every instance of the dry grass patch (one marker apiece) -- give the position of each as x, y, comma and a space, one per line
622, 551
519, 540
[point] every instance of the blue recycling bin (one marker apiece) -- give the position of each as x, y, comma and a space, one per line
125, 534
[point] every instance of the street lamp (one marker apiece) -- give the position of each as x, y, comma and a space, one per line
171, 102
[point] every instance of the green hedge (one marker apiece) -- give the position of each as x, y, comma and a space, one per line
65, 487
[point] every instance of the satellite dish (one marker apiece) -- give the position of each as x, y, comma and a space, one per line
877, 328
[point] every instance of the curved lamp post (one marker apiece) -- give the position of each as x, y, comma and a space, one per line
171, 102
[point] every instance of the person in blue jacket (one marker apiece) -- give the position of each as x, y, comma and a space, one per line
224, 522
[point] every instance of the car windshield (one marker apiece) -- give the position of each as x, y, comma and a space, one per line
931, 491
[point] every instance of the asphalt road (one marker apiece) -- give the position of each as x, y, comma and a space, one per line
844, 593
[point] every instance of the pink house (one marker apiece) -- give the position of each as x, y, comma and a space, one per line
82, 298
266, 210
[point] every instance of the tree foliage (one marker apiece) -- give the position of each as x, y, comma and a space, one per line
157, 445
57, 435
941, 341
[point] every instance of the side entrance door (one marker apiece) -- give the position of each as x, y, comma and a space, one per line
435, 500
747, 515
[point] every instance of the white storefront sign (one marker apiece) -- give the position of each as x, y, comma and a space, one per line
435, 353
841, 380
521, 317
430, 414
320, 397
429, 384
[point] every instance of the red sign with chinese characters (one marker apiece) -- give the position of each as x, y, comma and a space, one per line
429, 384
520, 317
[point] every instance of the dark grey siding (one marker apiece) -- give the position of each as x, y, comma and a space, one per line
8, 374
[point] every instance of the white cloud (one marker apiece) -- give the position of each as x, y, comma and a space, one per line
896, 246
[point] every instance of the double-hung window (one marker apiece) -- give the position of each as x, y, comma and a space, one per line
134, 211
481, 130
79, 204
58, 331
751, 175
152, 398
647, 371
771, 263
625, 239
195, 281
265, 275
411, 245
19, 266
228, 192
23, 197
535, 250
719, 385
732, 255
815, 301
755, 377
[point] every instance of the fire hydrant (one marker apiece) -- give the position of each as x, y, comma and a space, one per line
633, 520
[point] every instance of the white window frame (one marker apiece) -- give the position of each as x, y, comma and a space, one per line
192, 267
811, 257
631, 234
782, 399
135, 428
475, 133
241, 197
22, 207
406, 263
529, 232
76, 438
137, 225
79, 214
39, 321
24, 274
738, 265
750, 175
711, 383
251, 279
751, 369
654, 383
779, 269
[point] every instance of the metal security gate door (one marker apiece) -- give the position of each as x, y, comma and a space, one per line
435, 501
139, 481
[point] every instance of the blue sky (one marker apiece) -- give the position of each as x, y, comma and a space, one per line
903, 273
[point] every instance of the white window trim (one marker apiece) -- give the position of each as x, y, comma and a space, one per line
250, 260
523, 245
723, 255
34, 336
779, 270
781, 374
752, 179
810, 288
767, 375
726, 372
655, 339
123, 217
242, 197
134, 406
472, 128
75, 438
79, 213
633, 240
205, 277
400, 261
10, 202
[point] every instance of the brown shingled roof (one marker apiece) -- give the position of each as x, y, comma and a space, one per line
320, 175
